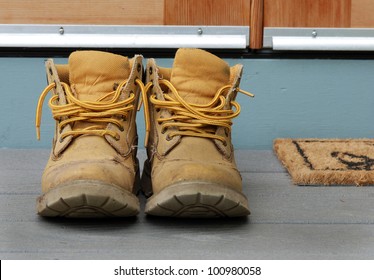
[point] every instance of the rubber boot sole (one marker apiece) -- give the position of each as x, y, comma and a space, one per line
87, 199
197, 200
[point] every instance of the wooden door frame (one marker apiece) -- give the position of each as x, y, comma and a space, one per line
257, 24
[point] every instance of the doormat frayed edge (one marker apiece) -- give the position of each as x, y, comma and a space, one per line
289, 155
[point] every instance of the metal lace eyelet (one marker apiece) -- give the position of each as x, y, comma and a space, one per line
168, 138
61, 140
122, 129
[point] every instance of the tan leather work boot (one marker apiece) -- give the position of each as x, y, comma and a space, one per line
92, 170
191, 170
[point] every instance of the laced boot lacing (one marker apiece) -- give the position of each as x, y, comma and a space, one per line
193, 119
100, 111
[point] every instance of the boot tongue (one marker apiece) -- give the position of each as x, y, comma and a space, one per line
93, 74
197, 75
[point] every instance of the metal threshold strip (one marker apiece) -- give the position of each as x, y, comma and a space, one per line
319, 39
116, 36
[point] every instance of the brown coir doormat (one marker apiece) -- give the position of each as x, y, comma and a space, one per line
328, 161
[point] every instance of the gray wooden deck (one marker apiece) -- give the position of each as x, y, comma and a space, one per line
287, 222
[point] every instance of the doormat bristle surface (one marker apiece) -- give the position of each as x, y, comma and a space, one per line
327, 161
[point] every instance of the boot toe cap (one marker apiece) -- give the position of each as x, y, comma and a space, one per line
182, 171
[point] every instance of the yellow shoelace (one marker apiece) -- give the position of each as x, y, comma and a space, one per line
193, 119
99, 111
190, 119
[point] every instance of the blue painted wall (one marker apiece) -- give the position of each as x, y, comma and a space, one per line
294, 98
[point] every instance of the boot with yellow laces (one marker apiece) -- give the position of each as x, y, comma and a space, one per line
92, 170
191, 170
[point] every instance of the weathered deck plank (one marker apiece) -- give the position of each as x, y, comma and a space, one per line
287, 221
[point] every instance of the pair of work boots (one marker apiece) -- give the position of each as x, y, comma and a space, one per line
93, 170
